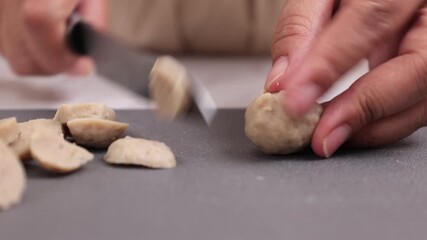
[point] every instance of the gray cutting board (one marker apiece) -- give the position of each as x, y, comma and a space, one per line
223, 188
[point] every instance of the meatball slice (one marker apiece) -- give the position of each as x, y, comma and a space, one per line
12, 178
142, 152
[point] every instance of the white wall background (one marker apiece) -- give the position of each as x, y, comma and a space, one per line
232, 81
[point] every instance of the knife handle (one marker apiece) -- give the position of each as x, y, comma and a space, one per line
78, 35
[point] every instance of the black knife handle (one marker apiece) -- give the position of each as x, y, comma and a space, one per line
78, 36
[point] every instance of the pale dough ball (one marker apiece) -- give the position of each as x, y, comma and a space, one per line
68, 112
273, 131
96, 133
9, 130
170, 87
55, 154
21, 146
12, 178
137, 151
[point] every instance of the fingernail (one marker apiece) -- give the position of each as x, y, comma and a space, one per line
300, 99
335, 139
278, 70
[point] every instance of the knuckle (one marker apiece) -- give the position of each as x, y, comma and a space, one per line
419, 62
368, 107
291, 30
35, 14
415, 40
421, 79
54, 69
294, 25
22, 67
422, 16
46, 68
55, 66
25, 65
330, 66
378, 17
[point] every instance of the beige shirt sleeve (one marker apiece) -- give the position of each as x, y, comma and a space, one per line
202, 26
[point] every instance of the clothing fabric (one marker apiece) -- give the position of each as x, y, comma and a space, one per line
197, 26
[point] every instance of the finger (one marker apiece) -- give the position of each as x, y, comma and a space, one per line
83, 67
400, 125
45, 22
14, 45
388, 89
21, 64
299, 24
384, 52
95, 12
392, 129
415, 40
356, 30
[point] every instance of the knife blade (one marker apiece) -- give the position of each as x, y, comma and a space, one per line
128, 67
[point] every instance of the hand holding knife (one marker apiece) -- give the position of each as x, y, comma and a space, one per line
125, 66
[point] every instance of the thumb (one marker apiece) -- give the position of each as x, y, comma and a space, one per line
299, 24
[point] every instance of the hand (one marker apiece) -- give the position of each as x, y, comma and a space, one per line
32, 34
319, 40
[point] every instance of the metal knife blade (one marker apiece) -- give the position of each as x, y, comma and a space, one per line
128, 67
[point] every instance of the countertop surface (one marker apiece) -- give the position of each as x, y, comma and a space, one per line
224, 188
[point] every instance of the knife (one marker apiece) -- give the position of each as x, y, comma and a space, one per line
128, 67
